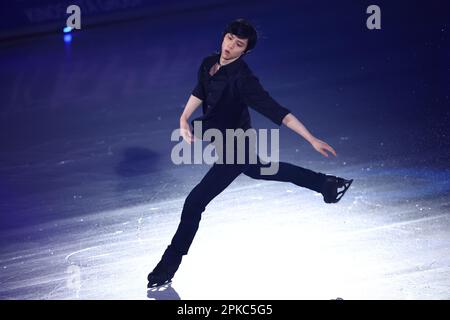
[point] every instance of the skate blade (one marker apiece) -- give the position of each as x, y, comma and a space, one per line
156, 286
346, 185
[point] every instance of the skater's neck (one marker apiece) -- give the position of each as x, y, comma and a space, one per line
223, 62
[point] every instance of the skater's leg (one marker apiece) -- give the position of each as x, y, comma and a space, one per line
331, 187
212, 184
287, 172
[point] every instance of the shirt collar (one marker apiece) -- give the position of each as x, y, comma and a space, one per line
232, 67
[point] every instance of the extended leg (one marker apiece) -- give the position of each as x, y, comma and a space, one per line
332, 188
288, 172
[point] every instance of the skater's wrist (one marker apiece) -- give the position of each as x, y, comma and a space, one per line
311, 139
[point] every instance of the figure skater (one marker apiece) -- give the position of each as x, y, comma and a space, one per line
226, 87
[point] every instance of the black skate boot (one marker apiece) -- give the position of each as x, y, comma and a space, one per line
331, 188
165, 269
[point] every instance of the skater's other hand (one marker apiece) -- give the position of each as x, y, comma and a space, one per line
185, 131
322, 146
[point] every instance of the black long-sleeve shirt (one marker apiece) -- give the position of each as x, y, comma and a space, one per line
228, 93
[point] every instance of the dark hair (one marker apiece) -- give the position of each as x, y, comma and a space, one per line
242, 29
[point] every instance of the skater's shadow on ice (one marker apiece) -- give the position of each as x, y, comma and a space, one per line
137, 161
166, 292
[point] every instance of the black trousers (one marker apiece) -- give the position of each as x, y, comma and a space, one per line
218, 178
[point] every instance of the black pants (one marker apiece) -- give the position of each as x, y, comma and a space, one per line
218, 178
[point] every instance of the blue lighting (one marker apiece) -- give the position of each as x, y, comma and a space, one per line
67, 29
67, 38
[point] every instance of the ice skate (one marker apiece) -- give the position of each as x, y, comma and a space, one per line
164, 271
159, 279
334, 188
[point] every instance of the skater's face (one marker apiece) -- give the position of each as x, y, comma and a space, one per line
233, 46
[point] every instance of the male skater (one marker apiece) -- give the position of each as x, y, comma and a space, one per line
226, 88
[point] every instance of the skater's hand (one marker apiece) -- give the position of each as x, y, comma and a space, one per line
321, 146
185, 131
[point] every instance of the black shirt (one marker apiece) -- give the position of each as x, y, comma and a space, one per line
228, 93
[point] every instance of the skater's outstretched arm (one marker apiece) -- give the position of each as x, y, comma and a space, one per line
295, 125
185, 130
259, 99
